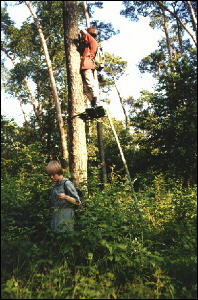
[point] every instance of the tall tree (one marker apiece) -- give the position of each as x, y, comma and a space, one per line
77, 143
24, 46
53, 83
27, 87
181, 12
165, 120
191, 12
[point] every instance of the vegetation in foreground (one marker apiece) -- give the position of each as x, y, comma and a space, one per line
120, 249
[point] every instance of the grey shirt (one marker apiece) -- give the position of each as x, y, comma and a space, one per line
66, 187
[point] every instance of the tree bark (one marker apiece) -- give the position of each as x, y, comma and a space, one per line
76, 104
53, 84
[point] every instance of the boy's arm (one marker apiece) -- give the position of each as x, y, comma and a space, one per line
70, 199
70, 194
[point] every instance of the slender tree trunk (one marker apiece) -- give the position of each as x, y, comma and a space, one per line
101, 152
192, 14
53, 84
121, 102
168, 44
122, 155
180, 42
24, 115
76, 105
32, 100
86, 13
162, 6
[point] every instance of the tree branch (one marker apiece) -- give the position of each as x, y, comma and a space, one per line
162, 6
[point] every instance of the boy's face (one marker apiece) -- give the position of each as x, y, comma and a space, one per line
56, 177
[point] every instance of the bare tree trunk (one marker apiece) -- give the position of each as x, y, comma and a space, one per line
76, 105
86, 14
101, 152
32, 100
121, 102
192, 14
24, 115
168, 44
53, 84
179, 36
122, 155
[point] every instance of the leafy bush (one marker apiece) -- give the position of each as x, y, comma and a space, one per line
118, 250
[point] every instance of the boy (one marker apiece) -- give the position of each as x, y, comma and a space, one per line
63, 197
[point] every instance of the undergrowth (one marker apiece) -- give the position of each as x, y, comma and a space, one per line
120, 249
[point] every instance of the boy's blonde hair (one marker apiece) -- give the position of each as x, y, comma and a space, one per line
54, 167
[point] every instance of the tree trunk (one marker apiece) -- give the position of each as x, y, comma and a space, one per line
192, 14
24, 115
179, 35
122, 155
53, 84
101, 152
121, 102
86, 14
76, 105
162, 6
168, 44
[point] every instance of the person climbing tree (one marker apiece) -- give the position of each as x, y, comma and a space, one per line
88, 68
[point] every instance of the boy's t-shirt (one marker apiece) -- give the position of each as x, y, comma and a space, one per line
66, 187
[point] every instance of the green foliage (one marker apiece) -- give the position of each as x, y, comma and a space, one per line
167, 120
118, 250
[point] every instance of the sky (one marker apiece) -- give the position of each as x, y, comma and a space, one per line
135, 41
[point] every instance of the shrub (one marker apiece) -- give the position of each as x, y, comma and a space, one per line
118, 250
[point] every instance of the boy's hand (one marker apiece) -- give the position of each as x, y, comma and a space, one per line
62, 196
